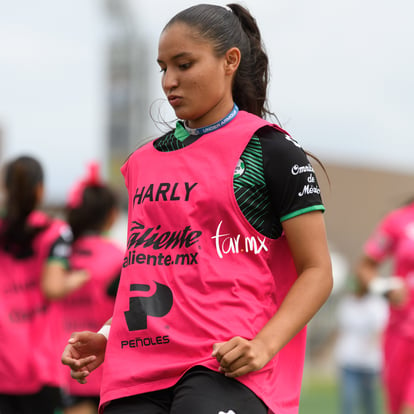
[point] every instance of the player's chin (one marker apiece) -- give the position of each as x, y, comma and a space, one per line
187, 112
181, 112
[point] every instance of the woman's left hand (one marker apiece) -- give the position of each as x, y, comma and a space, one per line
239, 356
399, 296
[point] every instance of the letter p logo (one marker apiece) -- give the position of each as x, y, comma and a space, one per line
157, 305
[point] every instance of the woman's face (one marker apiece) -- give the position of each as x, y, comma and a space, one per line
195, 81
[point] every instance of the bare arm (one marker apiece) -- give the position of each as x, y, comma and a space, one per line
306, 237
57, 282
368, 273
367, 270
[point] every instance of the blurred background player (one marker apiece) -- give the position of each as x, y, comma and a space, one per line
34, 251
92, 209
361, 318
393, 239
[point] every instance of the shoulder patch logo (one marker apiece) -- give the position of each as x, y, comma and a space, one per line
240, 168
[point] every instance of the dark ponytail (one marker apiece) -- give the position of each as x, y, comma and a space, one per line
252, 77
234, 27
23, 177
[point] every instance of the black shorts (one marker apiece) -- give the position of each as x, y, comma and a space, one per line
46, 401
200, 391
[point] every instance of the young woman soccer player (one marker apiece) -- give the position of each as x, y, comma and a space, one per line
34, 249
227, 258
92, 209
393, 240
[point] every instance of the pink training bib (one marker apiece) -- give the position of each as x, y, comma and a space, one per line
29, 340
196, 272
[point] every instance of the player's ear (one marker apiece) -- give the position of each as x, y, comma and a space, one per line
232, 60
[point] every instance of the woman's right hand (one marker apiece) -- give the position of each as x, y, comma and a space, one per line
84, 352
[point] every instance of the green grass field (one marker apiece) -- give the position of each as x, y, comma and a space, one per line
320, 396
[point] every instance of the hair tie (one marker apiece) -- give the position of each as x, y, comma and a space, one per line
92, 179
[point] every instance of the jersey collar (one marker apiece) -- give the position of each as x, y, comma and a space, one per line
182, 131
